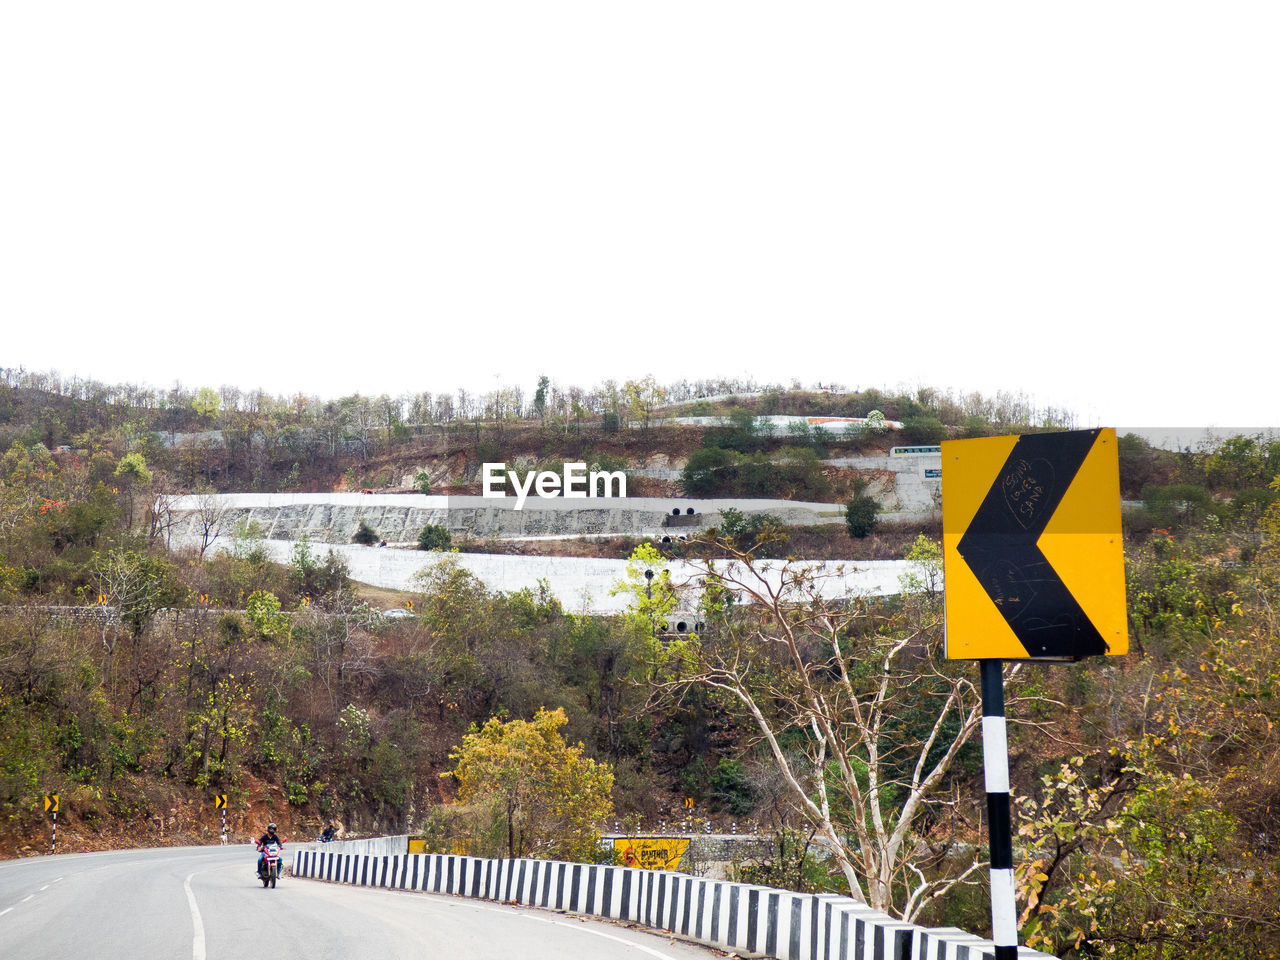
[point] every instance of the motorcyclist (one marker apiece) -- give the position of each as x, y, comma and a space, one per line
269, 837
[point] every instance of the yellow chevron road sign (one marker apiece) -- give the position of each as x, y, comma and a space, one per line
220, 802
1032, 551
50, 803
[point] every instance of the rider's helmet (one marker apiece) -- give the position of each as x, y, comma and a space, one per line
271, 827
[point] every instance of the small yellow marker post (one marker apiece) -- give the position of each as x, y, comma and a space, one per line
51, 806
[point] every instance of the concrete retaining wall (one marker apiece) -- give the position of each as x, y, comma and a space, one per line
582, 584
399, 518
741, 918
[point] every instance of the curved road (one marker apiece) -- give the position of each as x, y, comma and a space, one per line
206, 903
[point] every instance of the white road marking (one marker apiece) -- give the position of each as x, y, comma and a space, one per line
5, 910
29, 896
197, 938
579, 922
595, 932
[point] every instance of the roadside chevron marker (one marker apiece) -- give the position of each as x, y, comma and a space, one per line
1032, 548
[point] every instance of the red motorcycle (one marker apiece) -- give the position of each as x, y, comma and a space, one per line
269, 866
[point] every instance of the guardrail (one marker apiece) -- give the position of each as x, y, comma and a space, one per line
742, 918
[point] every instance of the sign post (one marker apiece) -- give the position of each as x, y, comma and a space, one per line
220, 803
1034, 568
51, 806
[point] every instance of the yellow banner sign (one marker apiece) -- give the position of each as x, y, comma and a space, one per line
650, 853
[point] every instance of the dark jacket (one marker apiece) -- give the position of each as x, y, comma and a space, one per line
268, 837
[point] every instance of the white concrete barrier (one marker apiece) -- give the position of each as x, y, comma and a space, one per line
580, 583
741, 918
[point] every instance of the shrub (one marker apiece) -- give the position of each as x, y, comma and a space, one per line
860, 512
708, 470
422, 482
729, 788
923, 430
1177, 503
745, 532
365, 535
434, 537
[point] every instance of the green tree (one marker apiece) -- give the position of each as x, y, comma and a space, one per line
545, 797
133, 474
924, 571
206, 403
643, 397
365, 535
648, 582
422, 481
269, 621
540, 399
860, 513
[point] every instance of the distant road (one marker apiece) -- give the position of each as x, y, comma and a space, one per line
206, 904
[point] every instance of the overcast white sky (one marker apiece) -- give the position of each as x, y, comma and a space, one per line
1080, 201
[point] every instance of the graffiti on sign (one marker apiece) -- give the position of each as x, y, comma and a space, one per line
650, 853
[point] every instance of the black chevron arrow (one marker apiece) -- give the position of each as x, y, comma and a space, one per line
1000, 546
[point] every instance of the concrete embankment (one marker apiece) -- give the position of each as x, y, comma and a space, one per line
916, 486
335, 517
580, 583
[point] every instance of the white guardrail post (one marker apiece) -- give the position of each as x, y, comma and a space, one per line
736, 917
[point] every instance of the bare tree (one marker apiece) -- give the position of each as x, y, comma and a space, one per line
862, 719
342, 645
210, 518
160, 516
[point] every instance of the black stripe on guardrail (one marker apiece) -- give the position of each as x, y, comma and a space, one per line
781, 924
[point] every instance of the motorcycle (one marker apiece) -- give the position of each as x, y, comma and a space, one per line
269, 868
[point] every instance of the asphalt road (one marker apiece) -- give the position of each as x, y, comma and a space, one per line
207, 904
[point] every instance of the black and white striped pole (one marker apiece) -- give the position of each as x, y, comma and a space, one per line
51, 806
220, 803
995, 763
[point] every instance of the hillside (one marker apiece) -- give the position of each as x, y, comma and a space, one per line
141, 674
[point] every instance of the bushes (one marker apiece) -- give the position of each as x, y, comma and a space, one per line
434, 537
729, 788
748, 533
365, 535
923, 430
1177, 503
791, 472
860, 512
708, 471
